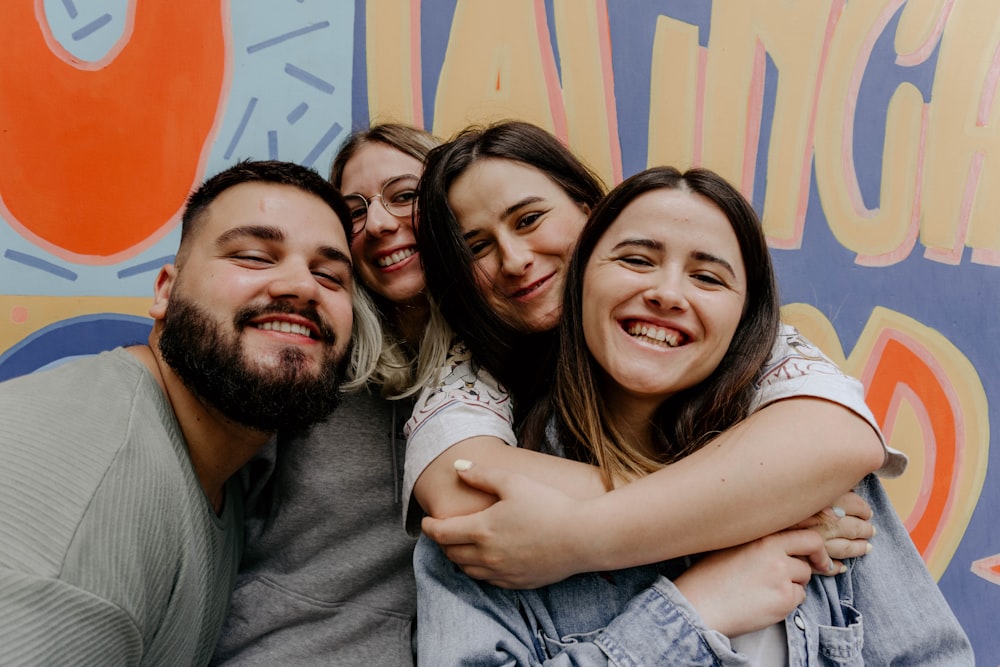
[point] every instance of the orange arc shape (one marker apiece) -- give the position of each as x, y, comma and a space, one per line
98, 160
899, 365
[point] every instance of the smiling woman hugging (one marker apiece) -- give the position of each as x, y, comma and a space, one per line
669, 317
501, 210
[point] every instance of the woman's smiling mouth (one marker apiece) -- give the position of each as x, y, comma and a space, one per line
652, 333
396, 257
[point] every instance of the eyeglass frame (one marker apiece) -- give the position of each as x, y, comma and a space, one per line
368, 201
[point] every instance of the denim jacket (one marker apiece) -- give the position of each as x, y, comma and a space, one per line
886, 609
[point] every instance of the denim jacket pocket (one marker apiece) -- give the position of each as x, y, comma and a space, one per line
841, 646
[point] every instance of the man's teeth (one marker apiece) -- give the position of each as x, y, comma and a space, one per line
655, 334
285, 327
396, 257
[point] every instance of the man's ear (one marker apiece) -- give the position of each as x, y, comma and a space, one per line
161, 291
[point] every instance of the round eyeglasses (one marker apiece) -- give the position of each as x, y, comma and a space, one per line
398, 196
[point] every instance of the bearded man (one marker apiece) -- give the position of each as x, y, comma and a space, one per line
120, 521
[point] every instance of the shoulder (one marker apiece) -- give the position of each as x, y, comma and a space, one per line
797, 367
70, 437
461, 385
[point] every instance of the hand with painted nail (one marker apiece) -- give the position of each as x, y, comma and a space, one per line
846, 526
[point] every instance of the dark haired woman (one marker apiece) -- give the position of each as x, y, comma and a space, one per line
501, 209
670, 314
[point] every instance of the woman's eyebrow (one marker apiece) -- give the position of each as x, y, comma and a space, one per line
699, 255
648, 244
530, 199
703, 256
507, 212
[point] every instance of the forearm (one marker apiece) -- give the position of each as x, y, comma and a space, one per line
783, 464
442, 494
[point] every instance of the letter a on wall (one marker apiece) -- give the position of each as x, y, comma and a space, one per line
98, 157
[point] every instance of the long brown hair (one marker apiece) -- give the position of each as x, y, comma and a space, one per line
511, 355
689, 419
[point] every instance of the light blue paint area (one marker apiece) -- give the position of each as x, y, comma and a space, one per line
28, 270
296, 56
89, 29
316, 38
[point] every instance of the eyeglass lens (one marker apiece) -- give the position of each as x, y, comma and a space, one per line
398, 196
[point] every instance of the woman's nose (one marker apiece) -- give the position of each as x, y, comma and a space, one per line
380, 221
515, 258
666, 291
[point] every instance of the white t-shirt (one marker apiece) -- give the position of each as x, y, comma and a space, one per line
464, 403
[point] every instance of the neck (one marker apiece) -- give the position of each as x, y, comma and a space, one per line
633, 417
218, 447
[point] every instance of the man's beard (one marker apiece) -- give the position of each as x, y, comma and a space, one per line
211, 363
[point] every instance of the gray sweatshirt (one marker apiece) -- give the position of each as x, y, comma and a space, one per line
326, 576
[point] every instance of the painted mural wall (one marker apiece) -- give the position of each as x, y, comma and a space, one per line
867, 133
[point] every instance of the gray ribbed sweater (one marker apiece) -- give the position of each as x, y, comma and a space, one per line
109, 550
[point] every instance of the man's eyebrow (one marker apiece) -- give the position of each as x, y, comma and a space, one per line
335, 255
275, 234
262, 232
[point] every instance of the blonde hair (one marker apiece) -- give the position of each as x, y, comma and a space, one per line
366, 340
380, 357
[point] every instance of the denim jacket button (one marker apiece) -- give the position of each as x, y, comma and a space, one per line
799, 623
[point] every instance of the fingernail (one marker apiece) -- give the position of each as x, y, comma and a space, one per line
832, 568
868, 548
462, 465
842, 570
874, 531
839, 511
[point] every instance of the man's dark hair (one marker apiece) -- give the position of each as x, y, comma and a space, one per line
262, 171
